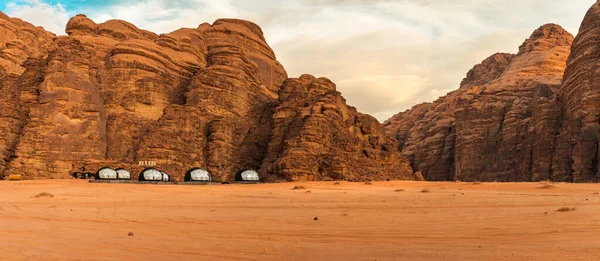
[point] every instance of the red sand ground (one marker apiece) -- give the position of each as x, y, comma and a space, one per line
454, 221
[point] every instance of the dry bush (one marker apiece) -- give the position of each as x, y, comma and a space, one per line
337, 183
425, 190
43, 194
566, 209
476, 183
368, 183
546, 185
298, 187
399, 190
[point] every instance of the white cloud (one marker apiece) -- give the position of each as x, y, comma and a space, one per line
52, 17
385, 56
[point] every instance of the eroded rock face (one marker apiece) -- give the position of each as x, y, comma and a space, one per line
23, 48
19, 41
318, 137
577, 154
112, 94
224, 124
499, 125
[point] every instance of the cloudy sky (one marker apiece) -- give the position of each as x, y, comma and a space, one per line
384, 55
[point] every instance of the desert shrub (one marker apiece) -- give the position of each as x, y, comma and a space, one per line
546, 185
566, 209
43, 194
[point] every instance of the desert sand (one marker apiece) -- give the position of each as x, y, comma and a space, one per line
355, 221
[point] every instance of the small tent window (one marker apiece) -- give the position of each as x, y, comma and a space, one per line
165, 176
123, 174
247, 175
106, 173
197, 174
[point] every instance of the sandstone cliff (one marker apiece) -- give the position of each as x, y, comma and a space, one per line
530, 117
23, 48
499, 125
318, 137
113, 94
576, 156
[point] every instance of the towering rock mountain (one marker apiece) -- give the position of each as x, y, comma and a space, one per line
499, 125
527, 117
576, 154
114, 94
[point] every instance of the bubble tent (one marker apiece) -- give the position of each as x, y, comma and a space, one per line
123, 174
106, 173
247, 175
197, 175
152, 174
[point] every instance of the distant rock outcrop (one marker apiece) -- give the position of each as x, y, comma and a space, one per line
499, 125
316, 136
113, 94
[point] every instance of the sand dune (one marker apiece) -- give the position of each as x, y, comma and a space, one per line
454, 221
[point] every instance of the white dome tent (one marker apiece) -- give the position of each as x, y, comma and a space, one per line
106, 173
247, 175
123, 174
197, 175
152, 174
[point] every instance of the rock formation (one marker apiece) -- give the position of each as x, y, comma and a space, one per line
113, 94
499, 125
529, 117
576, 156
23, 47
536, 119
318, 137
